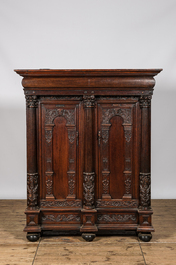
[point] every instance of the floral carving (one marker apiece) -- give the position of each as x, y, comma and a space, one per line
88, 186
128, 135
32, 189
116, 218
89, 101
127, 184
124, 113
61, 98
49, 183
65, 203
48, 135
31, 101
71, 136
71, 182
117, 203
145, 189
51, 114
61, 218
145, 101
105, 136
105, 183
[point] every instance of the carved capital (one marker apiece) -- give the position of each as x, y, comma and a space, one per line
145, 190
88, 188
32, 189
89, 101
31, 101
145, 101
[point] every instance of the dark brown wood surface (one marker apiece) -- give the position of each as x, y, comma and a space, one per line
88, 150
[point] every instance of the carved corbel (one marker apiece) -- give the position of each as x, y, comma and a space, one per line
31, 101
89, 101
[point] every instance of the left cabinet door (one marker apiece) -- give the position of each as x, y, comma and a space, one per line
59, 153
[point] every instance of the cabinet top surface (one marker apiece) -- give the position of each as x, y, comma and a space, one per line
86, 72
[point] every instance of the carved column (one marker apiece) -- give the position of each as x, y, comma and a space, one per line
145, 210
88, 210
32, 171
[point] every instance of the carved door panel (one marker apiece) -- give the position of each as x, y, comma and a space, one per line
60, 148
117, 147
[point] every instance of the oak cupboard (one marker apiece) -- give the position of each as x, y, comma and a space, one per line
88, 151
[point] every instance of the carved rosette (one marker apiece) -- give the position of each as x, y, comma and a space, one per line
32, 189
89, 101
88, 188
145, 101
145, 190
31, 101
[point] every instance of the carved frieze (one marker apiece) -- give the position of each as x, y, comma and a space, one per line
117, 203
89, 101
61, 218
51, 114
116, 218
61, 98
145, 101
126, 114
64, 203
31, 101
145, 189
32, 189
88, 188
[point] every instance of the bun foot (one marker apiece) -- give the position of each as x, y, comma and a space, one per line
88, 237
33, 236
146, 237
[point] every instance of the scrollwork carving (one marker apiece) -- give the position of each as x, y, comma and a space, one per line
105, 136
116, 218
88, 187
111, 203
65, 203
145, 189
61, 218
124, 113
51, 114
128, 135
49, 183
127, 184
32, 189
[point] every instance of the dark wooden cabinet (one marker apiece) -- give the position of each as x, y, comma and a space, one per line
88, 151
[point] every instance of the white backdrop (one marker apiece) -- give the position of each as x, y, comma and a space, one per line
66, 34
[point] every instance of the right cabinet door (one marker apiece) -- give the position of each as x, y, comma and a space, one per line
118, 143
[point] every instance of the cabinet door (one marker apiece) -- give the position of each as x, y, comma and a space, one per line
118, 147
59, 154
